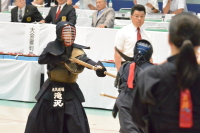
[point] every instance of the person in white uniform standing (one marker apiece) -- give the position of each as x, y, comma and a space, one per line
174, 6
151, 6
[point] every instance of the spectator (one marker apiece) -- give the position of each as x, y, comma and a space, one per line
25, 13
151, 6
174, 6
62, 12
104, 17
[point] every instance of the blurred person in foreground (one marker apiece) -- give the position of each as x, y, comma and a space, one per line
167, 95
127, 37
25, 13
151, 6
104, 16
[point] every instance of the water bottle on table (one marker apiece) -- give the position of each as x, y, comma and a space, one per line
110, 4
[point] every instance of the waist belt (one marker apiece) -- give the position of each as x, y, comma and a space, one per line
62, 75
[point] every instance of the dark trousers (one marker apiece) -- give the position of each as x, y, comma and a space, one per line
70, 119
124, 103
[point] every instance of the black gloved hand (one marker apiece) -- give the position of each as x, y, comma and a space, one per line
100, 72
115, 111
65, 59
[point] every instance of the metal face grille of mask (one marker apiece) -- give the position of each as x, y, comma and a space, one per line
68, 35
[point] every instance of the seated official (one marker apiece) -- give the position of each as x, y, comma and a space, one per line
104, 17
62, 12
151, 6
174, 6
85, 4
25, 13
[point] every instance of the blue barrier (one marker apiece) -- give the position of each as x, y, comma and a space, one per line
108, 64
29, 58
26, 58
9, 57
1, 56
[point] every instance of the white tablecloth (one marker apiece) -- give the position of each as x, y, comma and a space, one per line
5, 17
101, 41
19, 80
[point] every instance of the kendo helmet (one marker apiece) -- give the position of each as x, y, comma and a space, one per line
66, 32
143, 50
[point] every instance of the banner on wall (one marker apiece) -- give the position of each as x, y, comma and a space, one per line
31, 43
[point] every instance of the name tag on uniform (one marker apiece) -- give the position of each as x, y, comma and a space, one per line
58, 97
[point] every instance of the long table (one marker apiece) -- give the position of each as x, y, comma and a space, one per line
101, 42
19, 80
79, 12
87, 21
81, 21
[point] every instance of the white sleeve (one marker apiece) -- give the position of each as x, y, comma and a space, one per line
4, 4
155, 4
77, 3
120, 40
181, 4
164, 3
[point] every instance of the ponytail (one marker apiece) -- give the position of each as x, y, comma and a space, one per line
187, 66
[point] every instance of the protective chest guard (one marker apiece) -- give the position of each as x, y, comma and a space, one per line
67, 72
74, 67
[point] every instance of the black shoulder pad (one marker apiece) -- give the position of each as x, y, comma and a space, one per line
55, 48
